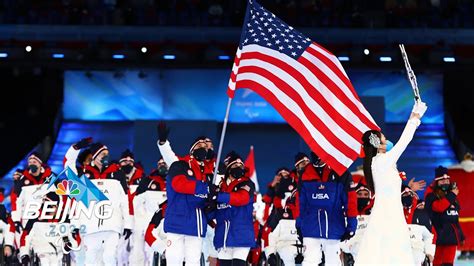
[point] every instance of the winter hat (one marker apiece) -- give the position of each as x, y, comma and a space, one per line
362, 187
282, 169
441, 173
97, 148
35, 156
81, 158
200, 139
231, 159
51, 196
125, 154
300, 157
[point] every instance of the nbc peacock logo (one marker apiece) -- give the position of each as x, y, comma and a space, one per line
67, 187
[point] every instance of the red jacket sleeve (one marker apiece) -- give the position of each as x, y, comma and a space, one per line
239, 198
182, 184
149, 237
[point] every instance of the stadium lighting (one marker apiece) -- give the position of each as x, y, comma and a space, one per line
169, 57
58, 55
144, 49
118, 56
385, 59
28, 48
343, 58
223, 57
449, 59
3, 55
366, 51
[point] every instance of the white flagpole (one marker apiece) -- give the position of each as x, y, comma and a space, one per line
221, 142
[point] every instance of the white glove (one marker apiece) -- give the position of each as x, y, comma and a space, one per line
158, 246
419, 108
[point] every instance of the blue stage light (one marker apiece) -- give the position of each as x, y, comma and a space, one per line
223, 57
169, 57
385, 59
343, 58
58, 55
3, 55
449, 59
118, 56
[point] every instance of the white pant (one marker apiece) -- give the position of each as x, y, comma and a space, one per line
50, 259
101, 247
233, 253
137, 254
314, 248
288, 254
181, 248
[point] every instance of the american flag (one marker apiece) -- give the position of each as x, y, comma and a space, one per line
304, 82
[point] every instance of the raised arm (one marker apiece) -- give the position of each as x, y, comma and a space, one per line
394, 154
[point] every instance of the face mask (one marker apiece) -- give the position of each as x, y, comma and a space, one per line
162, 171
389, 145
362, 203
105, 160
210, 154
315, 159
236, 172
33, 168
301, 171
127, 168
284, 183
407, 201
445, 187
200, 154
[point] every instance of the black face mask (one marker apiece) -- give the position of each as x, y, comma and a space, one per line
200, 154
445, 187
105, 160
236, 172
162, 171
210, 154
407, 201
301, 171
284, 184
33, 168
362, 203
127, 168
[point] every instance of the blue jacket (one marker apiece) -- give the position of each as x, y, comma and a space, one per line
186, 195
325, 209
234, 217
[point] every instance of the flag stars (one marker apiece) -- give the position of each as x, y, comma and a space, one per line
269, 43
290, 46
277, 41
270, 30
299, 47
274, 36
293, 53
280, 48
256, 40
287, 41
